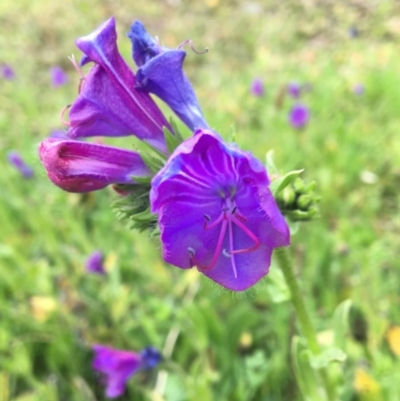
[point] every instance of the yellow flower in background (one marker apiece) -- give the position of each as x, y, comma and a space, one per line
393, 339
212, 3
42, 307
366, 386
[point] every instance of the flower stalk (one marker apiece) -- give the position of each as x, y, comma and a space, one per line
286, 265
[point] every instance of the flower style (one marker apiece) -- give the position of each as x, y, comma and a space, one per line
161, 73
216, 212
15, 159
78, 166
58, 76
257, 87
109, 103
95, 263
299, 115
118, 366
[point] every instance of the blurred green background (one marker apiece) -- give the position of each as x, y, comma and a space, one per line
230, 346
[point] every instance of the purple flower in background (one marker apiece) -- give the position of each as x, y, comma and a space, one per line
294, 89
7, 72
58, 76
78, 166
257, 87
16, 160
299, 115
118, 366
95, 263
109, 103
358, 89
216, 212
161, 73
353, 32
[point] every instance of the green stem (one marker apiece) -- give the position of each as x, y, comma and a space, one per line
286, 265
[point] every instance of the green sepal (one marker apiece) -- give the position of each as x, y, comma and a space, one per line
281, 183
172, 139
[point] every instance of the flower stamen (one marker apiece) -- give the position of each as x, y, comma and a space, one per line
192, 47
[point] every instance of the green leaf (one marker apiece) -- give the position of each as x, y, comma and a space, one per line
281, 183
341, 324
305, 376
327, 356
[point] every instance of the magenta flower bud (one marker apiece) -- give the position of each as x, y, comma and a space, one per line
76, 166
216, 212
95, 263
109, 103
58, 76
257, 87
299, 115
15, 159
118, 366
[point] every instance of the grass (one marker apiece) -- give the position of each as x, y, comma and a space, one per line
230, 346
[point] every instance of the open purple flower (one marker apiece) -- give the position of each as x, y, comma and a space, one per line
118, 366
257, 87
109, 103
161, 73
299, 115
7, 72
15, 159
58, 76
216, 212
78, 166
95, 263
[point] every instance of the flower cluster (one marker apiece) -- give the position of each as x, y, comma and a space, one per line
212, 200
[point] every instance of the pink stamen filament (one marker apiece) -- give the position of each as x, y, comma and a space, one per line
67, 123
192, 47
227, 220
82, 75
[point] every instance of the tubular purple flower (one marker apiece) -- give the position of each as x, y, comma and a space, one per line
294, 89
58, 76
118, 366
216, 212
299, 115
15, 159
95, 263
161, 73
76, 166
109, 103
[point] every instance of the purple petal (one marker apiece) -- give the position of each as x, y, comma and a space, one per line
58, 76
82, 167
299, 116
161, 73
94, 263
15, 159
109, 104
204, 180
117, 366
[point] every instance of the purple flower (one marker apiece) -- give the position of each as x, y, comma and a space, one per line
257, 87
58, 76
7, 72
161, 73
216, 212
109, 103
78, 166
294, 89
358, 89
95, 263
15, 159
118, 366
299, 115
